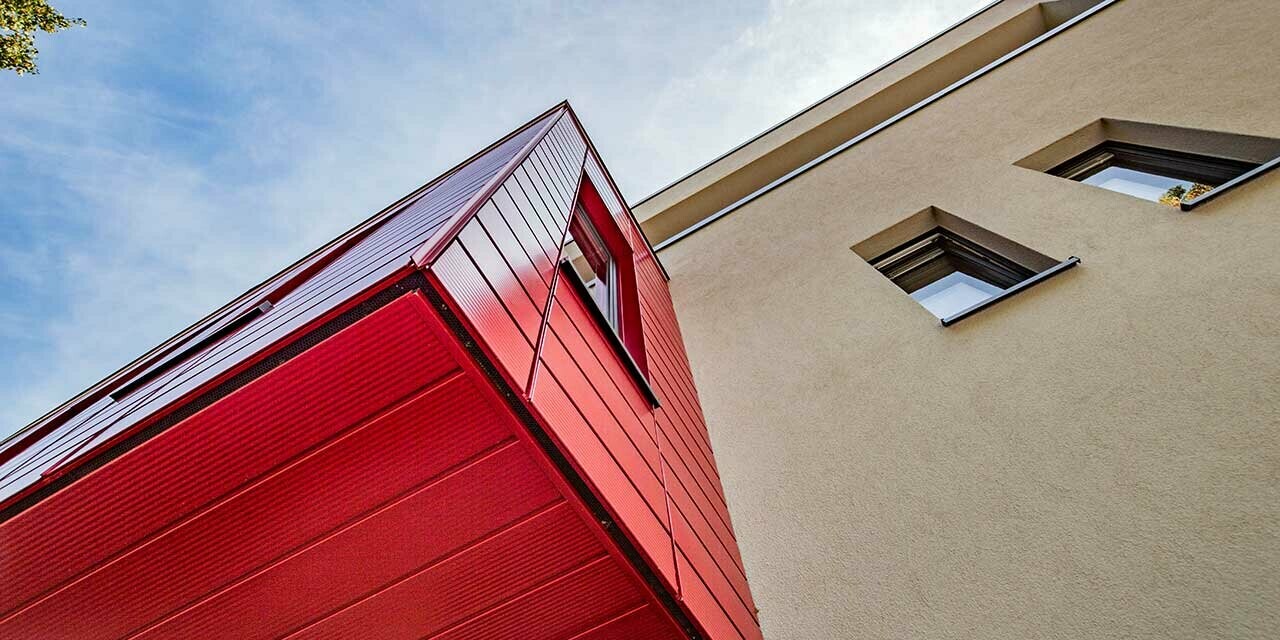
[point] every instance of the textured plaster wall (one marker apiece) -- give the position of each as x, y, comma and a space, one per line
1098, 457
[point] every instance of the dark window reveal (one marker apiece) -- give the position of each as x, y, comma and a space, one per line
1158, 175
596, 268
947, 273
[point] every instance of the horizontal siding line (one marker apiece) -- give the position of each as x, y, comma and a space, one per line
721, 522
546, 186
287, 554
719, 606
541, 213
687, 428
529, 208
626, 391
503, 446
604, 625
452, 554
551, 292
516, 227
677, 375
616, 426
737, 583
581, 568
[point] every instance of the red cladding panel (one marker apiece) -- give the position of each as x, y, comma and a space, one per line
577, 439
647, 466
644, 623
563, 608
347, 378
406, 536
376, 485
484, 311
287, 508
463, 590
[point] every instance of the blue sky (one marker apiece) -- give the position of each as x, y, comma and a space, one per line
171, 155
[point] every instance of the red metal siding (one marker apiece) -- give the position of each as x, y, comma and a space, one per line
654, 470
378, 484
373, 252
374, 486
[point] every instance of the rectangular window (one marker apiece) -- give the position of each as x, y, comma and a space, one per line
947, 273
952, 267
1168, 177
598, 263
597, 267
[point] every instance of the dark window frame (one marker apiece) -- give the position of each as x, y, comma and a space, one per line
1178, 165
623, 327
912, 265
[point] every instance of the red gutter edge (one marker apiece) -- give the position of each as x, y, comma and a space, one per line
616, 192
427, 254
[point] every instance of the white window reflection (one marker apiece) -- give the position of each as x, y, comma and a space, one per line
1147, 186
954, 293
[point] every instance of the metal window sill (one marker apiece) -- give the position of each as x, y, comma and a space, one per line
628, 363
1012, 291
1231, 184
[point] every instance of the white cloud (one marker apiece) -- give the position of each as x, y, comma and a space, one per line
249, 136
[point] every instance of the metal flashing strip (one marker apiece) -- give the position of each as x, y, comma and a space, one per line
1188, 205
1012, 291
901, 115
825, 98
617, 193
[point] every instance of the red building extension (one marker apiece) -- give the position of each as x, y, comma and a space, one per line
469, 417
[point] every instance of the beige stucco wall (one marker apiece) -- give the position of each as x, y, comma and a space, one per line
1097, 457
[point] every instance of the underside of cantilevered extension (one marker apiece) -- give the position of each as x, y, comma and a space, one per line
433, 427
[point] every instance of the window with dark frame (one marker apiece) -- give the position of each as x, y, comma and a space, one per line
597, 267
604, 272
947, 273
1159, 175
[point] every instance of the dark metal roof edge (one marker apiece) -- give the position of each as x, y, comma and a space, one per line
1011, 291
885, 124
1229, 185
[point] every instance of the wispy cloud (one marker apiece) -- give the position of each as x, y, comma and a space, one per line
169, 157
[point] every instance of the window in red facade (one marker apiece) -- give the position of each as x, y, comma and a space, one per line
596, 267
605, 273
